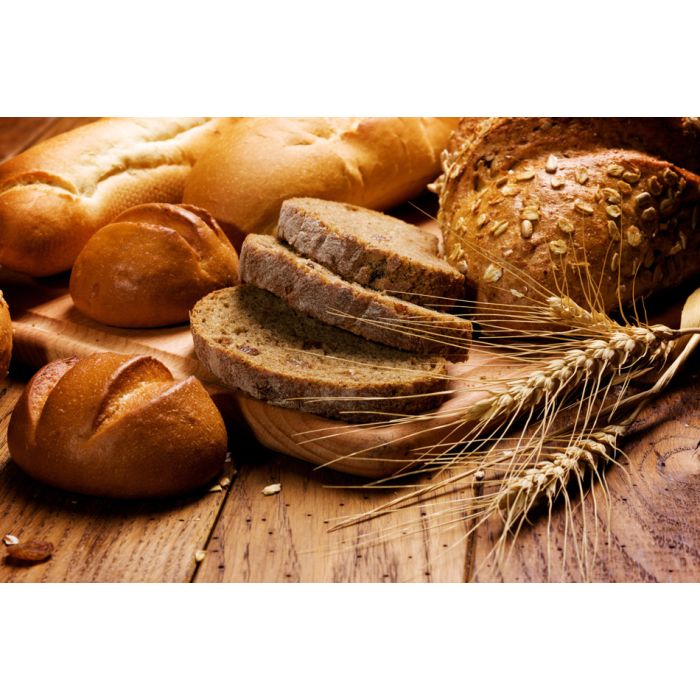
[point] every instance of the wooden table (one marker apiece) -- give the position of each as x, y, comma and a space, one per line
654, 528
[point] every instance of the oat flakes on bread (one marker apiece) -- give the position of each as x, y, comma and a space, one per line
252, 341
601, 209
370, 248
311, 288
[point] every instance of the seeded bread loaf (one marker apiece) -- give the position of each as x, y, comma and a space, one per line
150, 265
258, 163
312, 289
370, 248
118, 426
602, 210
252, 341
55, 195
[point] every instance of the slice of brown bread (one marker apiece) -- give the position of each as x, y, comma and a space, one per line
369, 248
252, 341
311, 288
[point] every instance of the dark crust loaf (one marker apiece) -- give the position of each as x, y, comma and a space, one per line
584, 207
369, 248
252, 341
310, 288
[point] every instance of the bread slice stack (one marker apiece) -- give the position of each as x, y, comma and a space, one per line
327, 320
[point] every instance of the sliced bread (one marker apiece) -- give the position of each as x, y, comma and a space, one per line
311, 288
252, 341
369, 248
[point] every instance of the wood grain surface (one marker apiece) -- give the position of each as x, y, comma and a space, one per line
654, 528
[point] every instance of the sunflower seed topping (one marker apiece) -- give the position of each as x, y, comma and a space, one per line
634, 236
509, 191
666, 206
613, 231
552, 164
670, 178
492, 273
500, 229
624, 188
565, 226
655, 187
631, 176
581, 176
615, 170
525, 175
649, 214
583, 207
558, 247
613, 211
643, 200
611, 196
526, 229
530, 213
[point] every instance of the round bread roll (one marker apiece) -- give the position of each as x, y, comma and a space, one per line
150, 265
368, 161
5, 337
118, 426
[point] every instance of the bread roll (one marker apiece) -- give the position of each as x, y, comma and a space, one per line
601, 210
258, 163
5, 337
118, 426
54, 196
151, 265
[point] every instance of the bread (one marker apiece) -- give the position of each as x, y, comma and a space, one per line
370, 248
253, 341
258, 163
118, 426
5, 337
55, 195
151, 265
601, 210
312, 289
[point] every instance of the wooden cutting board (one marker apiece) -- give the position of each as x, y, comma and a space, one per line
47, 326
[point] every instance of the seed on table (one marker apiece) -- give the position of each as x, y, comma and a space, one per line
29, 552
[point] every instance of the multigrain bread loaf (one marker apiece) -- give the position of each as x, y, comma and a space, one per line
252, 341
601, 210
55, 195
313, 289
370, 248
258, 163
118, 426
5, 337
151, 265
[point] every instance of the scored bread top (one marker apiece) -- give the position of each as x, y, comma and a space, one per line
369, 248
252, 341
313, 289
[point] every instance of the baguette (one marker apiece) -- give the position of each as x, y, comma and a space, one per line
258, 163
118, 426
55, 195
151, 265
601, 210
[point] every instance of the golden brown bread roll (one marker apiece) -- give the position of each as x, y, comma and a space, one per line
118, 426
5, 337
55, 195
151, 265
258, 163
601, 210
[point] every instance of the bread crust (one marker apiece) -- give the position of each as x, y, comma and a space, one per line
117, 426
5, 337
55, 195
260, 162
312, 289
150, 265
601, 210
